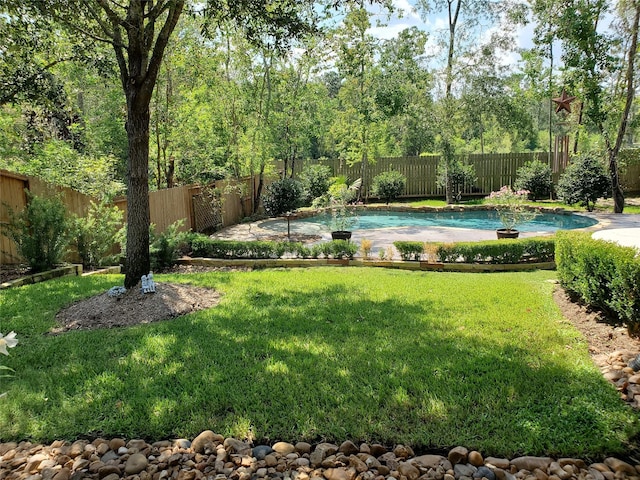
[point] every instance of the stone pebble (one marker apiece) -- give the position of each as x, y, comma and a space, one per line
210, 456
616, 369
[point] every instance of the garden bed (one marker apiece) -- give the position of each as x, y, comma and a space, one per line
20, 277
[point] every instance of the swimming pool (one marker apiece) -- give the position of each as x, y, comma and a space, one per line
472, 219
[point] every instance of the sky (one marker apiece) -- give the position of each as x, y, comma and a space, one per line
407, 17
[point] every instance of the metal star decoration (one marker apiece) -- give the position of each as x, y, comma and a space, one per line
563, 102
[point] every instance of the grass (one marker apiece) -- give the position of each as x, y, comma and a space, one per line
631, 209
428, 359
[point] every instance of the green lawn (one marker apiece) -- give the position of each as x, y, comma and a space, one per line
631, 209
421, 358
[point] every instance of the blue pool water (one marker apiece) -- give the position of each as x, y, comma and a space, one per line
477, 219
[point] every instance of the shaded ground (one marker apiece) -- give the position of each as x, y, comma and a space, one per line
602, 336
134, 307
12, 272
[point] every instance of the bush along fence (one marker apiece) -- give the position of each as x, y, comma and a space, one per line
493, 170
529, 253
603, 274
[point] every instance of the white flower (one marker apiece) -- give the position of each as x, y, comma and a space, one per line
9, 341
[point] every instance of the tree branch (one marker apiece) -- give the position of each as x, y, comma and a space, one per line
158, 10
633, 48
161, 42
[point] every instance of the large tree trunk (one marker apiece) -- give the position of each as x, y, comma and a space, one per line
137, 262
616, 188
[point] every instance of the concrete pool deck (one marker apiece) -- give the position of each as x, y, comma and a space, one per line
624, 229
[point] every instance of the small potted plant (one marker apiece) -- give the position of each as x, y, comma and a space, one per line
511, 208
338, 202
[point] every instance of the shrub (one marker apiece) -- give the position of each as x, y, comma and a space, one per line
584, 181
535, 177
342, 249
461, 175
315, 181
409, 250
511, 207
603, 274
388, 185
316, 250
95, 234
164, 248
498, 251
40, 231
281, 196
207, 247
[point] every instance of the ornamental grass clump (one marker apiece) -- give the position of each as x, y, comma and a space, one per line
511, 207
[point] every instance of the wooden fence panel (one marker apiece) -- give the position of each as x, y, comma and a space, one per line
170, 205
12, 194
76, 203
12, 197
493, 171
630, 178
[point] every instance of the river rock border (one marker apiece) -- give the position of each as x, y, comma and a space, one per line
212, 457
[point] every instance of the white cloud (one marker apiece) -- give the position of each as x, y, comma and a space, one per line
389, 31
408, 10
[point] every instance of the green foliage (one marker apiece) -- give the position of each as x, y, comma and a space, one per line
281, 196
584, 181
316, 180
165, 247
603, 274
342, 249
96, 234
203, 246
511, 206
388, 185
535, 177
409, 250
40, 231
498, 251
461, 175
338, 203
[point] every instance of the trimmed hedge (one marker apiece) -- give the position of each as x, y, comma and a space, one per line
603, 274
498, 251
202, 246
409, 250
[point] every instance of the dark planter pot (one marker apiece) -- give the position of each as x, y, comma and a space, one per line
504, 233
341, 235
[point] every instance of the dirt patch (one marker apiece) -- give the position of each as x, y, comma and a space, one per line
12, 272
134, 307
601, 333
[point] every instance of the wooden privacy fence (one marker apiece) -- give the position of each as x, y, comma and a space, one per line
493, 171
203, 209
13, 197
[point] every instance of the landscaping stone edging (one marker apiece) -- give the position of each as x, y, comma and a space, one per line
212, 457
69, 270
42, 276
403, 265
